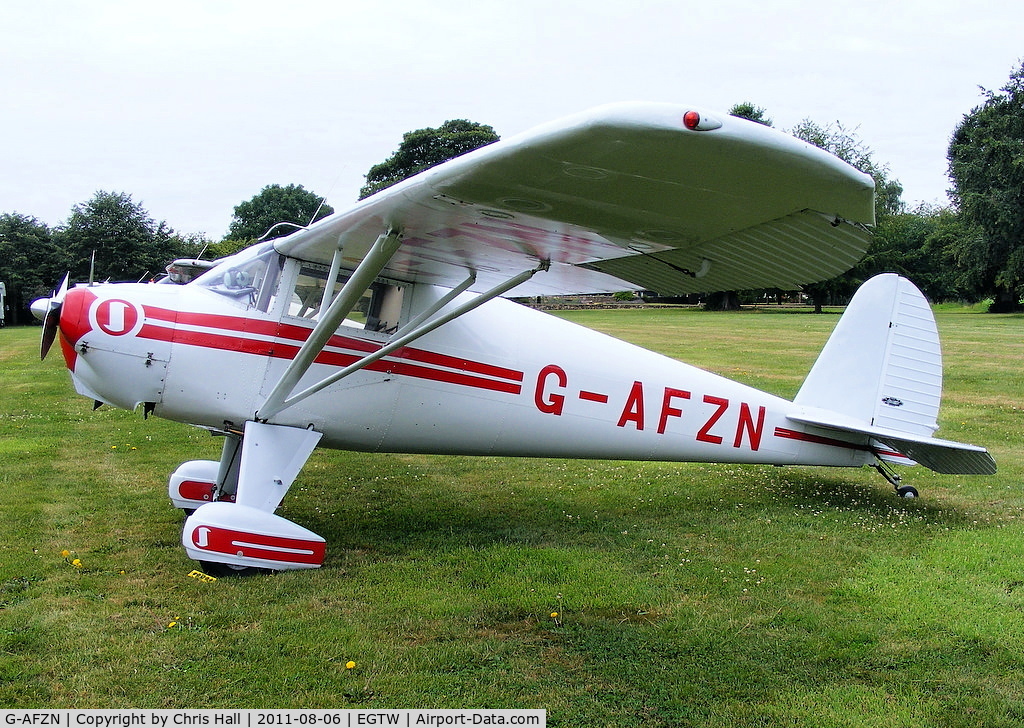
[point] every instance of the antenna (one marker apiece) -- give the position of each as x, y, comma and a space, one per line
323, 200
317, 211
92, 268
276, 225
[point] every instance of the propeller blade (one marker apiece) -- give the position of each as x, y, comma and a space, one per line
51, 318
50, 326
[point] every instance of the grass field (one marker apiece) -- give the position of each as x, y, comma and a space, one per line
608, 593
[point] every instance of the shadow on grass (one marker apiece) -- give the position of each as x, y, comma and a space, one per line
826, 487
686, 642
399, 514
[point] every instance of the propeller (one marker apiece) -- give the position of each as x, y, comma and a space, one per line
47, 310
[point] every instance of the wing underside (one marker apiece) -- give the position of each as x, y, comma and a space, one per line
623, 197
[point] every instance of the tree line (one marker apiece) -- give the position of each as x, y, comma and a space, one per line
112, 237
968, 251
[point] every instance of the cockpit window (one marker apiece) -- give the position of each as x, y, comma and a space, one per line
247, 278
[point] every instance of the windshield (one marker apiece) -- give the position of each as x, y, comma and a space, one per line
247, 277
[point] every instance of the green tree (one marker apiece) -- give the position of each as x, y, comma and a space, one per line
276, 204
127, 242
748, 110
426, 148
919, 244
951, 249
220, 249
986, 165
31, 264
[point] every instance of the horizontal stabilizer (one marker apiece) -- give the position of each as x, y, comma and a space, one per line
942, 456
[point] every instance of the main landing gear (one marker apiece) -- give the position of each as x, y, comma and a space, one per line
231, 529
903, 491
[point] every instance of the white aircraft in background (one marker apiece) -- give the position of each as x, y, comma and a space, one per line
267, 349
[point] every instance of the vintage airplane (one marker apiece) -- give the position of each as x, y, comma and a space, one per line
384, 327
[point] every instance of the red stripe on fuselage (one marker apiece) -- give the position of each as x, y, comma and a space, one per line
234, 335
219, 341
820, 440
419, 372
817, 439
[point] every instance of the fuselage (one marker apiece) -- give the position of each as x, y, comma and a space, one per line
501, 380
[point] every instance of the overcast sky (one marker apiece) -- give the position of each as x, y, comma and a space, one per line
192, 107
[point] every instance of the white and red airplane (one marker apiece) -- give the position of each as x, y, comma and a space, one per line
384, 327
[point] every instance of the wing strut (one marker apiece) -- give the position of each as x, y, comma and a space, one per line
332, 278
413, 330
369, 268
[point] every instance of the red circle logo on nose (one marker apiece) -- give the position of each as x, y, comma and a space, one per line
116, 317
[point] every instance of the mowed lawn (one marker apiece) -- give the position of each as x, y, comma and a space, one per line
607, 593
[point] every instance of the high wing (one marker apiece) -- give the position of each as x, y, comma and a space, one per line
629, 196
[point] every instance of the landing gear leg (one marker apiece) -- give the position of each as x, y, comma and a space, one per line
199, 482
227, 471
241, 534
903, 491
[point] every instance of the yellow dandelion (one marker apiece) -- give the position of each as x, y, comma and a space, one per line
350, 664
554, 615
65, 553
172, 624
77, 563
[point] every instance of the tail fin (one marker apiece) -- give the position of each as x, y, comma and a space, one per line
883, 364
880, 374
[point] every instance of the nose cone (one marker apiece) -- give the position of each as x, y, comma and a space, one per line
39, 307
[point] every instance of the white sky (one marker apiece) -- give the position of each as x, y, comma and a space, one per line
193, 106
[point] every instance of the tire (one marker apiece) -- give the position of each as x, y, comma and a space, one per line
221, 571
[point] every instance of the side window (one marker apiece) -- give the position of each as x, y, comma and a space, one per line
379, 308
308, 293
385, 308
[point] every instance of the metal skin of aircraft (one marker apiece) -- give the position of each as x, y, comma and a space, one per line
386, 328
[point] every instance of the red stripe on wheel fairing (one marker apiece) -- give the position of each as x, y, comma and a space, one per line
215, 539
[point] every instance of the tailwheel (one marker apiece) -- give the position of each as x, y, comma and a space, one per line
903, 491
906, 491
